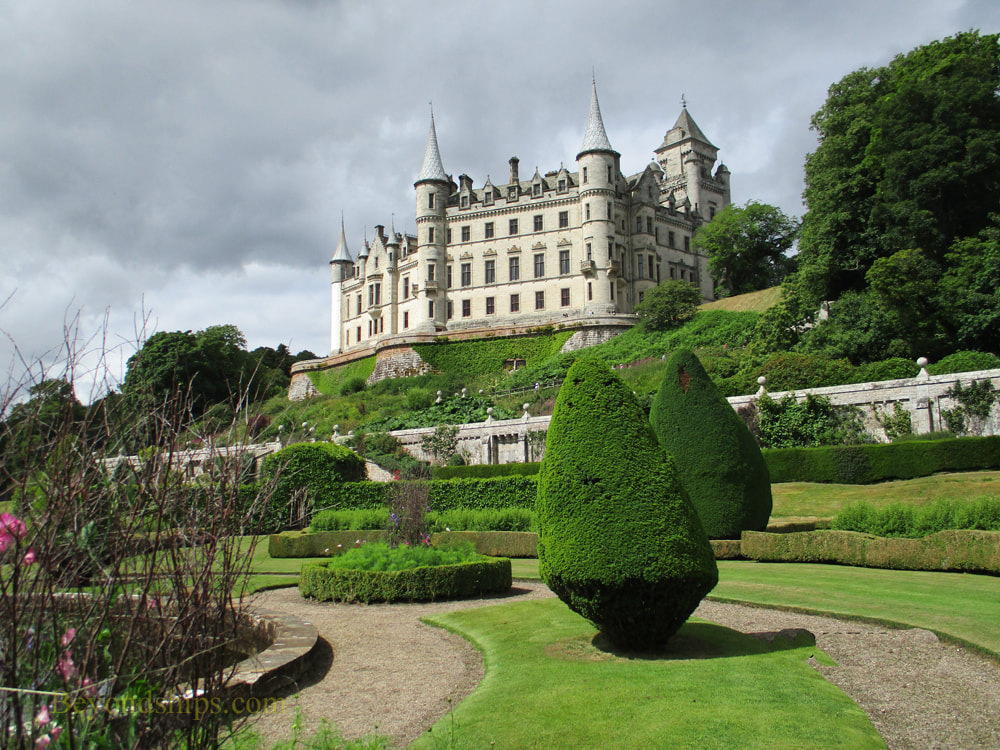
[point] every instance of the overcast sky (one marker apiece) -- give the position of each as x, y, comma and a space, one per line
189, 161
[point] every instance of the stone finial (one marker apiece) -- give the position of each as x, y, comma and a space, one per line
464, 391
481, 391
526, 415
762, 382
489, 415
439, 399
336, 430
922, 364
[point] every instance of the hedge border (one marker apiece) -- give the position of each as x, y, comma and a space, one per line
956, 551
424, 584
291, 544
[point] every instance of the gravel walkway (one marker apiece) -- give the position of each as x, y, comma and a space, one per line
381, 670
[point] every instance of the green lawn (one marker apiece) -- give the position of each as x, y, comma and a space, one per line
802, 499
547, 685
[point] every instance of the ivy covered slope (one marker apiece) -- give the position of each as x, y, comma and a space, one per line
618, 539
718, 460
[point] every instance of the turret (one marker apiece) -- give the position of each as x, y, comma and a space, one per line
341, 266
433, 187
599, 170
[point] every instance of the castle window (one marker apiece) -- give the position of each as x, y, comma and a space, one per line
649, 225
657, 235
515, 303
585, 180
563, 219
671, 273
538, 222
466, 308
687, 244
539, 300
641, 295
536, 189
564, 261
488, 230
490, 272
670, 239
466, 233
711, 211
539, 265
466, 274
406, 319
488, 197
609, 173
358, 298
376, 261
465, 201
449, 282
564, 297
590, 251
378, 294
609, 212
514, 268
586, 211
430, 234
490, 305
430, 200
447, 236
358, 336
590, 291
649, 259
451, 310
512, 226
369, 328
612, 291
406, 287
430, 272
561, 186
640, 270
638, 223
430, 309
371, 295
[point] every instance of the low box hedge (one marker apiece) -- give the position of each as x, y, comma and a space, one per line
966, 551
483, 471
324, 543
867, 464
726, 549
442, 494
425, 584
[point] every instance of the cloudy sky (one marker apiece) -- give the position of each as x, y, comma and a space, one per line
176, 165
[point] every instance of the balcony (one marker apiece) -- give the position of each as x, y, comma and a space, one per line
614, 268
431, 286
588, 266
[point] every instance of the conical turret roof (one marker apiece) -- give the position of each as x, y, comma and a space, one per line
596, 137
684, 128
343, 255
432, 168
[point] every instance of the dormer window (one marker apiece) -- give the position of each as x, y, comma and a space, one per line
561, 186
465, 201
488, 197
536, 190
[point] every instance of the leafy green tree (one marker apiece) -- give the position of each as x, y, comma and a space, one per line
908, 156
669, 304
970, 290
618, 539
747, 247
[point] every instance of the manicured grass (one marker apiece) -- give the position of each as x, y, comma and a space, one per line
751, 302
547, 685
963, 606
801, 499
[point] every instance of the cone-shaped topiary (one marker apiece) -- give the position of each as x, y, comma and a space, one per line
719, 462
618, 540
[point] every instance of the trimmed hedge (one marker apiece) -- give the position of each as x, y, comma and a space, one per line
718, 461
619, 541
726, 549
444, 494
867, 464
425, 584
967, 551
482, 471
324, 543
459, 519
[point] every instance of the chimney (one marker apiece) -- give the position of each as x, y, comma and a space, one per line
513, 170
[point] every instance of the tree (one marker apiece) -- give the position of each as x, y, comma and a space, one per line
969, 293
618, 539
908, 157
747, 247
718, 461
669, 304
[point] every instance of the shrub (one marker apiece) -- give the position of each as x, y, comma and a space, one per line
419, 398
894, 368
485, 470
350, 520
669, 304
447, 494
786, 371
618, 539
309, 474
376, 573
898, 519
964, 362
718, 461
812, 422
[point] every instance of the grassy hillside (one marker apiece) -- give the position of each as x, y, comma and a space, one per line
756, 302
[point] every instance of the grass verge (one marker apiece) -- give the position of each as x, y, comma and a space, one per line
712, 688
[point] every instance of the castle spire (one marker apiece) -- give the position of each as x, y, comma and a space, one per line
596, 138
343, 255
432, 168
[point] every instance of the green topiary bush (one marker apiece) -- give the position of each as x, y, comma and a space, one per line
618, 539
718, 461
311, 473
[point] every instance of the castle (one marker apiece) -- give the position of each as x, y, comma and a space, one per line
556, 248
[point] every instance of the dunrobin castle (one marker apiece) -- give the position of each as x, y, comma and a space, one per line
571, 249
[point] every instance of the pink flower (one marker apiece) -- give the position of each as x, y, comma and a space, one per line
43, 716
68, 636
29, 557
151, 603
12, 526
66, 668
5, 541
42, 742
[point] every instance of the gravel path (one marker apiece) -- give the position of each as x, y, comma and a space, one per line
381, 670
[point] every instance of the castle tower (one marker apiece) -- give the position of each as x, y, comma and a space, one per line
341, 269
599, 172
687, 157
433, 186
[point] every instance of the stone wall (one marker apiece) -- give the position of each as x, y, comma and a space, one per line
396, 362
595, 335
301, 387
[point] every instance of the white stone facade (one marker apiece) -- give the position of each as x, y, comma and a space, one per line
561, 245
